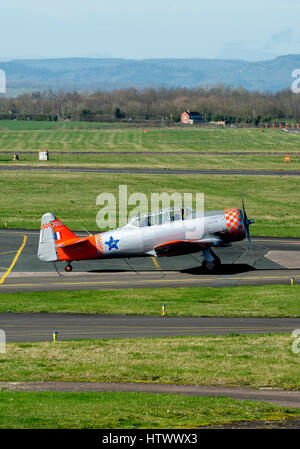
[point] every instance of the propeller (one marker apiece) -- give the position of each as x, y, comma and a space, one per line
247, 223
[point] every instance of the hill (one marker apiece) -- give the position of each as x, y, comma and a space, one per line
111, 74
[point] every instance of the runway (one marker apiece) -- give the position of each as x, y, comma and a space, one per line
23, 327
154, 171
275, 261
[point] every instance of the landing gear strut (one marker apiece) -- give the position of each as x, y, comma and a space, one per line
68, 267
211, 262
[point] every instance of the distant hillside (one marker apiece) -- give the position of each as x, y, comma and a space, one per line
111, 74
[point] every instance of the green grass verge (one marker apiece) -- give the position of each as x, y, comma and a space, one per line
274, 202
239, 360
165, 161
50, 136
31, 125
25, 410
260, 301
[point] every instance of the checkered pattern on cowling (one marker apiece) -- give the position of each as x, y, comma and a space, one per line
234, 221
57, 223
99, 244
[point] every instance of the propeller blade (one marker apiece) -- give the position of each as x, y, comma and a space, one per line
243, 206
247, 223
250, 244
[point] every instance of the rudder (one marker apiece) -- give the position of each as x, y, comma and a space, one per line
52, 232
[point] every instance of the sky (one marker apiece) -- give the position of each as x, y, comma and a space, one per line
140, 29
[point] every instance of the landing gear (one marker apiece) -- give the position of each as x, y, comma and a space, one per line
211, 263
68, 267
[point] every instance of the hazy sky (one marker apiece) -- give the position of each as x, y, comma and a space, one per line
257, 29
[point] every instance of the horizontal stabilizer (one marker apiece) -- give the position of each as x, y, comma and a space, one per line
72, 242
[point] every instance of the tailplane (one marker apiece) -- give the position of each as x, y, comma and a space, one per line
52, 235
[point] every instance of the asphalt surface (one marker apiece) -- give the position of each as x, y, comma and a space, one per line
103, 280
154, 171
40, 326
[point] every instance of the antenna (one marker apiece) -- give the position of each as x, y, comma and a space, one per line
86, 230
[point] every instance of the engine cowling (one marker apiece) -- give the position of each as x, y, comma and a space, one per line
235, 224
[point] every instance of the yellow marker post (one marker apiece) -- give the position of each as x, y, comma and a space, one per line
5, 225
292, 282
163, 310
54, 334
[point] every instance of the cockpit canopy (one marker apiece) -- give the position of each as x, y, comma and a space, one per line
160, 217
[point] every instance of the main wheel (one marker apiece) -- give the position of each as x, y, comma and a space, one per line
68, 268
211, 267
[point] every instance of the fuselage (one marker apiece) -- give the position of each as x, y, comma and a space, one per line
145, 238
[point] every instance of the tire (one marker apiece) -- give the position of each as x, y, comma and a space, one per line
211, 267
68, 268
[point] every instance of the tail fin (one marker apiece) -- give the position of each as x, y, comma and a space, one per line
53, 232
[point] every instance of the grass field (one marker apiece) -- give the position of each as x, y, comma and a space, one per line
261, 301
163, 161
29, 125
127, 410
273, 202
236, 360
24, 410
71, 137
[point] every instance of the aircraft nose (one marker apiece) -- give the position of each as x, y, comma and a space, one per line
234, 221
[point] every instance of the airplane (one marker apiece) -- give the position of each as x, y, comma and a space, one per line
168, 232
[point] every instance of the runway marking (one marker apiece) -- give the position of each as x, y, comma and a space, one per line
105, 282
14, 261
152, 281
154, 260
229, 329
8, 252
3, 268
150, 328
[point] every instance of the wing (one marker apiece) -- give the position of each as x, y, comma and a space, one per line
177, 247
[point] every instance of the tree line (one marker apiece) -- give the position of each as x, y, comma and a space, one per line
221, 103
